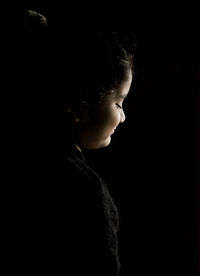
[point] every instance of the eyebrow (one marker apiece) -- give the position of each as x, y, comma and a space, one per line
122, 96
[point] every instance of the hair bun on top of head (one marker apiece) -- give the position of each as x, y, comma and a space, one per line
34, 21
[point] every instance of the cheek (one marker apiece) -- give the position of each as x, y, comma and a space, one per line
110, 118
114, 117
97, 133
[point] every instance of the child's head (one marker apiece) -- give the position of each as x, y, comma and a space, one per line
95, 77
81, 76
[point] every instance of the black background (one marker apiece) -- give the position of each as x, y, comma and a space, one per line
151, 166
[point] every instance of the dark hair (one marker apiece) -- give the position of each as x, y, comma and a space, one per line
76, 66
95, 63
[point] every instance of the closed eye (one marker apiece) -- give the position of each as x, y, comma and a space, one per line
118, 105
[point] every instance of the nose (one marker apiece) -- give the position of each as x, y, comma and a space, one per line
123, 116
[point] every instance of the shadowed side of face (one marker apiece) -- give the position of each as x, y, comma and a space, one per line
95, 128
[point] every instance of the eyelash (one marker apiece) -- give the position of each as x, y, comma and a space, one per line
119, 106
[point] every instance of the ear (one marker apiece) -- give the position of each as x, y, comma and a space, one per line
80, 114
83, 113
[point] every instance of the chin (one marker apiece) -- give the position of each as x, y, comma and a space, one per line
101, 144
105, 143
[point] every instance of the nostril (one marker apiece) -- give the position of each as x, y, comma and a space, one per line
123, 117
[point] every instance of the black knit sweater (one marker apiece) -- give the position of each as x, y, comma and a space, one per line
78, 220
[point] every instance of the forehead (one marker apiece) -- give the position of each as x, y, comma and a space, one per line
122, 90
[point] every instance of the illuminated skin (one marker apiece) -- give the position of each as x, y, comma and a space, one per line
95, 129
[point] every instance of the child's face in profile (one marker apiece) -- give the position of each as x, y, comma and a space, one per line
96, 130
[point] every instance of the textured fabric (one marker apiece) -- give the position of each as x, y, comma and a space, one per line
73, 221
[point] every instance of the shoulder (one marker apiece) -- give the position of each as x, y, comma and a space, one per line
69, 164
68, 172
